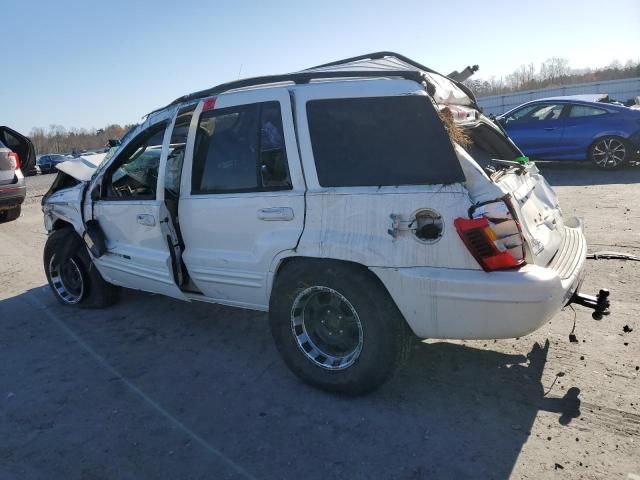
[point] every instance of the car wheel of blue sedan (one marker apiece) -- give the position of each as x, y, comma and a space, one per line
609, 152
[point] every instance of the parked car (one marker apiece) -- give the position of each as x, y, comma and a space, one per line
579, 127
34, 170
16, 153
333, 198
48, 162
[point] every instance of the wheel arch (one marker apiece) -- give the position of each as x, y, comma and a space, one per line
59, 224
285, 262
602, 135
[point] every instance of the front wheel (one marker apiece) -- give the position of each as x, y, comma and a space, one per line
609, 152
336, 326
71, 274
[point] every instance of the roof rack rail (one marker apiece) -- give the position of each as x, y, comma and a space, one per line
377, 56
298, 78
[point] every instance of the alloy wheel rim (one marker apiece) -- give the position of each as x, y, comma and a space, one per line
327, 328
609, 152
67, 279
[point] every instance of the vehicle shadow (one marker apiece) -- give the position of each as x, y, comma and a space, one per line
482, 405
152, 386
564, 173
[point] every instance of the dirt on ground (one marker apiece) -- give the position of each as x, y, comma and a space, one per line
156, 388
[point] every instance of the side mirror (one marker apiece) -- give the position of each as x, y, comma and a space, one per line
114, 143
95, 193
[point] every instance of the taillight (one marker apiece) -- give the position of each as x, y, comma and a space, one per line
493, 236
16, 160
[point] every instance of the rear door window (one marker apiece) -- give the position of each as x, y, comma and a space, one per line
380, 141
240, 149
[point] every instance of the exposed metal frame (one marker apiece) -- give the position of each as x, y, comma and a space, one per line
379, 55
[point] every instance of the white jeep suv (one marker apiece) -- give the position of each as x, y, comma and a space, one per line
333, 198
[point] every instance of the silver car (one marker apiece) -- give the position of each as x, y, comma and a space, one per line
16, 154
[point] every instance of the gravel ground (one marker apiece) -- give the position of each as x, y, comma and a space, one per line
157, 388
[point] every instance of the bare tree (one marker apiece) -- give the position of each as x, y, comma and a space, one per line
553, 71
57, 139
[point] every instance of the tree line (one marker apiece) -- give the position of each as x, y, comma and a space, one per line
58, 139
553, 72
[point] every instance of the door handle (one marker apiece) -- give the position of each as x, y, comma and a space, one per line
275, 214
146, 219
548, 128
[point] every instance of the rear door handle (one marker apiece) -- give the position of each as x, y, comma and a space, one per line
146, 219
276, 214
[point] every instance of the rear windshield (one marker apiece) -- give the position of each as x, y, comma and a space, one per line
380, 141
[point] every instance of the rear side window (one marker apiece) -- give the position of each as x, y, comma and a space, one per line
585, 111
380, 141
240, 149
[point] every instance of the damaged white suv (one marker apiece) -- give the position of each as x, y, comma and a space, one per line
333, 198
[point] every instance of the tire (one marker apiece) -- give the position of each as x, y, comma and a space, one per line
610, 152
377, 339
11, 214
71, 274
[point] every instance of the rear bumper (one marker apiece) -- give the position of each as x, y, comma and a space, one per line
13, 194
473, 304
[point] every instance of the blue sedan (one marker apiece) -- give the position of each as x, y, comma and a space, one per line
575, 128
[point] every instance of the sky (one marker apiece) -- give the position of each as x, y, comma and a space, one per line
87, 64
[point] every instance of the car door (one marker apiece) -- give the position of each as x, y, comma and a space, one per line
583, 123
242, 194
537, 129
131, 212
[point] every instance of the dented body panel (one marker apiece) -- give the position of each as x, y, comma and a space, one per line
234, 244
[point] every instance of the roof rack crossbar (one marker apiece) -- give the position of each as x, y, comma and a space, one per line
298, 78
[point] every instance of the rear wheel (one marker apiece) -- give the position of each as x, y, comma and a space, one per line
71, 274
609, 152
11, 214
336, 326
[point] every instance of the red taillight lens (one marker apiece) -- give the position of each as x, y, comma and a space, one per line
16, 160
496, 246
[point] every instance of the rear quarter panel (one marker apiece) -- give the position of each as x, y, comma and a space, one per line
352, 223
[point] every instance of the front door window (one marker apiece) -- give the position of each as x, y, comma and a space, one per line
135, 173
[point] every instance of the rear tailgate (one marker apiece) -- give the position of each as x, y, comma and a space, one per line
537, 209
